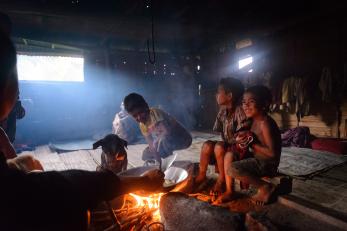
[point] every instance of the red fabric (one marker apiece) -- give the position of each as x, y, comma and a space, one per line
331, 145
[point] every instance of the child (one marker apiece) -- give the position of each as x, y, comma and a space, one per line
163, 133
266, 145
228, 121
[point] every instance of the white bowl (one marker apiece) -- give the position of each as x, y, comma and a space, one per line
176, 175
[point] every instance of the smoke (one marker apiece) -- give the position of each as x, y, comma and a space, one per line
79, 110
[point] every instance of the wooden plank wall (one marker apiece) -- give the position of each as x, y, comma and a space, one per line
323, 124
343, 125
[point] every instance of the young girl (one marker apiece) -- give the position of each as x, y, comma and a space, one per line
266, 145
228, 121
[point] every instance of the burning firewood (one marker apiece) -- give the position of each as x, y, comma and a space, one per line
129, 213
138, 215
142, 223
137, 220
140, 226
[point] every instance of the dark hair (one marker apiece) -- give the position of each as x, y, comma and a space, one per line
5, 24
233, 86
262, 96
8, 59
133, 101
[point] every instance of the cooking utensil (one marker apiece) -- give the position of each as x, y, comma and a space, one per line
167, 162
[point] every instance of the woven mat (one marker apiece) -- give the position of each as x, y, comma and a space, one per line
304, 162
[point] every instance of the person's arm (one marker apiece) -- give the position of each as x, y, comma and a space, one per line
266, 149
149, 139
5, 146
218, 124
150, 142
153, 148
95, 187
150, 181
147, 135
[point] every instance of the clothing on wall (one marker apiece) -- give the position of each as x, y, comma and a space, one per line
326, 85
295, 96
344, 79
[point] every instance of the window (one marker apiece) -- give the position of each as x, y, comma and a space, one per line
245, 62
50, 68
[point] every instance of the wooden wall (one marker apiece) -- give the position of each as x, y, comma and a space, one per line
324, 124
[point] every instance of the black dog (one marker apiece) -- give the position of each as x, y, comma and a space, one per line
114, 155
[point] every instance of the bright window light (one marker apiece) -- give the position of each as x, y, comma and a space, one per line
50, 68
244, 62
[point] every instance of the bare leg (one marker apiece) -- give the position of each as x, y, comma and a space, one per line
205, 155
228, 159
219, 152
265, 189
228, 194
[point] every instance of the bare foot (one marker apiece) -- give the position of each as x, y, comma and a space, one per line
225, 197
199, 179
263, 195
218, 188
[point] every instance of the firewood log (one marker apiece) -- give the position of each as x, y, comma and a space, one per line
141, 214
130, 218
129, 213
129, 225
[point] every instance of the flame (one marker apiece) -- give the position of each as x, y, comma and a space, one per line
151, 202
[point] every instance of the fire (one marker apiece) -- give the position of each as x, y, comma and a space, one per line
149, 202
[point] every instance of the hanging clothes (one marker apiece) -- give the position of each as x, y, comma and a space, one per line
344, 79
292, 93
276, 92
295, 96
326, 85
305, 97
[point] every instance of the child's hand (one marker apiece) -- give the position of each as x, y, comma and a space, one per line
244, 139
241, 137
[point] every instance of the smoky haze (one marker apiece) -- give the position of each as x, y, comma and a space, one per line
58, 111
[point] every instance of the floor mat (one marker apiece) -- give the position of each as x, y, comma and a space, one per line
303, 162
72, 145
